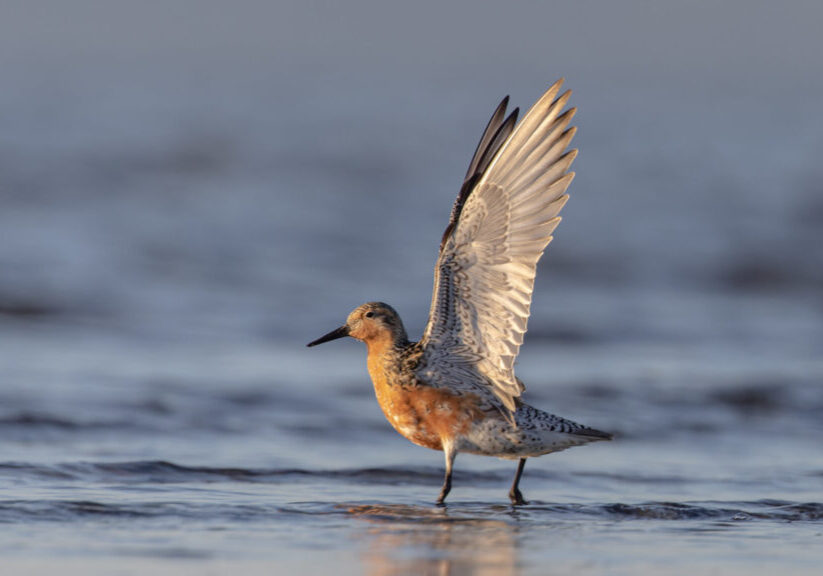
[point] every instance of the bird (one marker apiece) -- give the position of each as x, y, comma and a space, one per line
455, 389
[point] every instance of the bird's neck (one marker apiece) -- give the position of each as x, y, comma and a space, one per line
385, 350
387, 343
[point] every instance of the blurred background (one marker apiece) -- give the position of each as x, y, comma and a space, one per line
191, 191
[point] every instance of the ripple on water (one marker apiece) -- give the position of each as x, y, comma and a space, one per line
767, 510
190, 503
161, 471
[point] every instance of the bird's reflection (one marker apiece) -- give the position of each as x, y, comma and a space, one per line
437, 541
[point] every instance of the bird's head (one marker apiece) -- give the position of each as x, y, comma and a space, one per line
370, 322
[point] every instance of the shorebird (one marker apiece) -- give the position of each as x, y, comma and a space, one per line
455, 390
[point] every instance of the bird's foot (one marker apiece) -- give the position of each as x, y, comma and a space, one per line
517, 497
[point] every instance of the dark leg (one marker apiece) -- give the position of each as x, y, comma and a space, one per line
447, 482
514, 494
444, 491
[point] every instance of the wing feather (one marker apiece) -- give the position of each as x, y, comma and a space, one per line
494, 136
488, 134
502, 222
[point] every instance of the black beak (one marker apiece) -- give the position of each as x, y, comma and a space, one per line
341, 332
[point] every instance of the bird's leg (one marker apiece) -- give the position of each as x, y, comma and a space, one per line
514, 494
447, 482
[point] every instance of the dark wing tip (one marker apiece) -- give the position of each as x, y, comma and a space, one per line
491, 129
494, 136
500, 136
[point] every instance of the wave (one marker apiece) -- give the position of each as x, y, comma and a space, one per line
773, 510
161, 471
718, 513
28, 421
12, 511
166, 472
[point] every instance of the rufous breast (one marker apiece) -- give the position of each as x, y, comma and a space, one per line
425, 415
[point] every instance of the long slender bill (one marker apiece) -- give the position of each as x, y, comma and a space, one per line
341, 332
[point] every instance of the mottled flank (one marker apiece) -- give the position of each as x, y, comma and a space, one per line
455, 390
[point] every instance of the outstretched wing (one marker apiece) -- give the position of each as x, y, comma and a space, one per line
502, 221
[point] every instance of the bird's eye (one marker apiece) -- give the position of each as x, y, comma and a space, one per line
369, 314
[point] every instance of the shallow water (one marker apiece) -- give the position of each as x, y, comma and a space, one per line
220, 457
176, 226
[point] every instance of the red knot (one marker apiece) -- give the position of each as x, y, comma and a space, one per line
455, 390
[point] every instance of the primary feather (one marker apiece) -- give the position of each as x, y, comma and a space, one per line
502, 221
